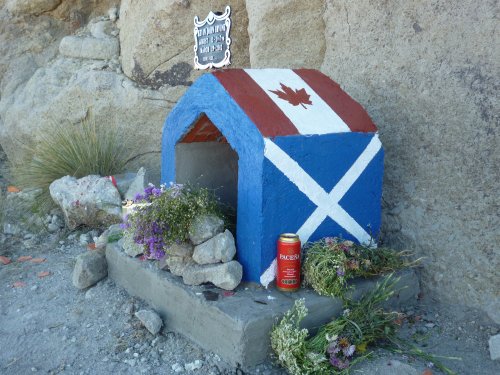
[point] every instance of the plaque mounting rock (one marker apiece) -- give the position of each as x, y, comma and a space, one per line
211, 36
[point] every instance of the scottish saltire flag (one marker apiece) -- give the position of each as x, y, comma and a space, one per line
310, 160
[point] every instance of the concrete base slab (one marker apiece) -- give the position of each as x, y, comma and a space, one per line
236, 327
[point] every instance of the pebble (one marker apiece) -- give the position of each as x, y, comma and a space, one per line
196, 365
61, 242
34, 287
136, 355
130, 362
430, 325
177, 367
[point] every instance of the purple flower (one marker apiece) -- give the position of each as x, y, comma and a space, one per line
138, 197
334, 361
333, 348
340, 272
349, 351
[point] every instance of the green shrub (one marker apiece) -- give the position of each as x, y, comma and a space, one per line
166, 215
71, 150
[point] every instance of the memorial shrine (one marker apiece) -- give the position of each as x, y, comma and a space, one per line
288, 149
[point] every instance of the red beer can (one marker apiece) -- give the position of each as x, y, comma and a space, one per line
288, 258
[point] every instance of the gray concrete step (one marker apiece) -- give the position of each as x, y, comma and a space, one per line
236, 327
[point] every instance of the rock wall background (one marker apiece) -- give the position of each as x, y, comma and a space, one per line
427, 71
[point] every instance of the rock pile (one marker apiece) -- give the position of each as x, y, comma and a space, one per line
207, 258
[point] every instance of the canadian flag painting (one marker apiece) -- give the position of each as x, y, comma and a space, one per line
309, 157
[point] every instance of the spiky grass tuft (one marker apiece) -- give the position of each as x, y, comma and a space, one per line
71, 150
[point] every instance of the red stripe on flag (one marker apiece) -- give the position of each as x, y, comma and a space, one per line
346, 107
268, 118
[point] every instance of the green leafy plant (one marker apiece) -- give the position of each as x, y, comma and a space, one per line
75, 150
331, 262
164, 215
342, 342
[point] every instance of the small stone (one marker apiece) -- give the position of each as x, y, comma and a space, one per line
181, 250
130, 248
113, 14
178, 265
52, 228
137, 185
205, 227
11, 229
430, 325
220, 248
136, 355
90, 267
196, 365
223, 275
494, 344
177, 367
150, 319
129, 309
34, 287
130, 362
84, 239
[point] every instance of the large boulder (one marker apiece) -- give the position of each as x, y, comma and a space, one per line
39, 88
157, 38
31, 6
286, 33
91, 201
90, 267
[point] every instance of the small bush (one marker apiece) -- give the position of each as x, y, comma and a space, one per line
72, 150
166, 215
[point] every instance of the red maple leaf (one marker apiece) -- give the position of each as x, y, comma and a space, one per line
294, 97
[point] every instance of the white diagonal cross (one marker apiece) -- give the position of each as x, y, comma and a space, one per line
327, 204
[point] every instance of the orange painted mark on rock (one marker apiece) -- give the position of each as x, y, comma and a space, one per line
427, 372
4, 260
19, 284
91, 246
43, 274
38, 260
24, 258
13, 189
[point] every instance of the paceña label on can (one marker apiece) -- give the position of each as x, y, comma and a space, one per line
288, 259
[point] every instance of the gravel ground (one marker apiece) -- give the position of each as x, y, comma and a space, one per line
48, 326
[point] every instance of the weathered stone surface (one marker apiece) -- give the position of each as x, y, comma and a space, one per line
286, 33
130, 248
223, 275
31, 6
150, 319
220, 248
90, 267
156, 38
181, 250
66, 89
433, 93
205, 227
91, 201
89, 47
494, 345
178, 264
137, 185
